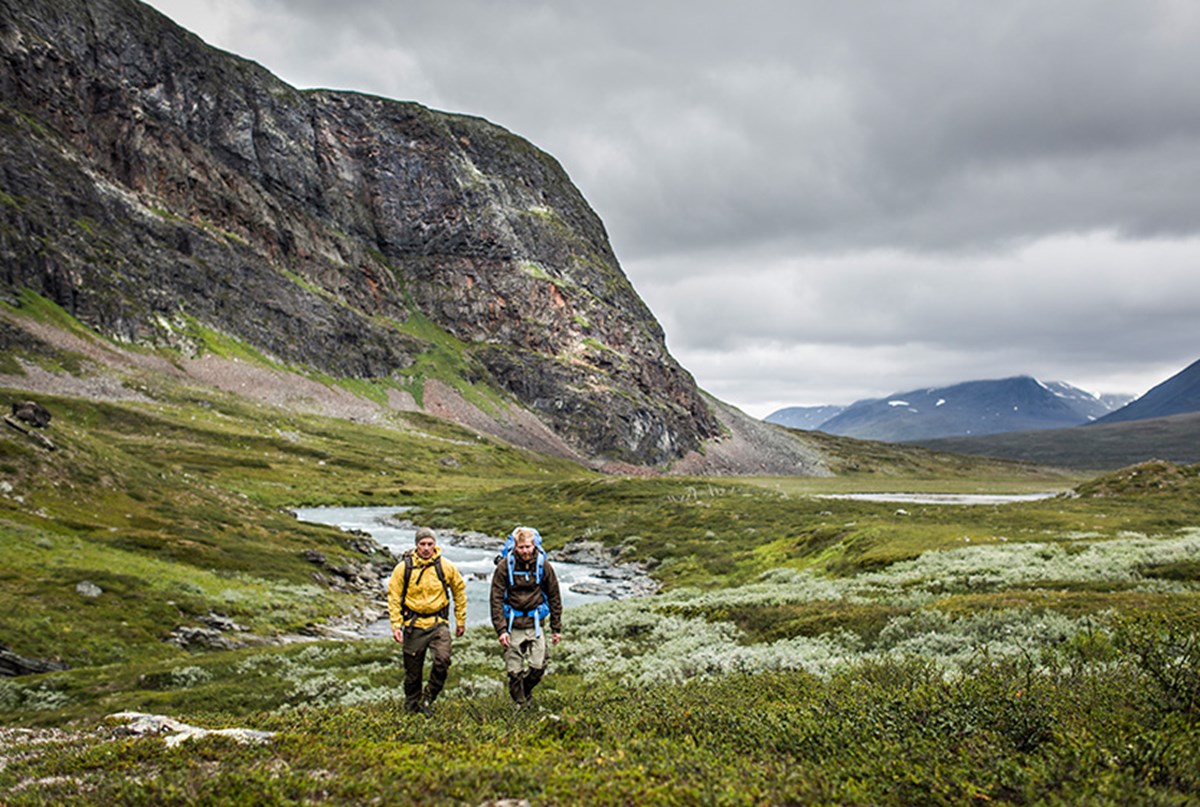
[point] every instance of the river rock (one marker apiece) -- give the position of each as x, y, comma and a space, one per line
585, 552
474, 540
615, 579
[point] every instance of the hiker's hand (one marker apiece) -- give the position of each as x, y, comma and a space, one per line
398, 634
504, 640
554, 638
459, 630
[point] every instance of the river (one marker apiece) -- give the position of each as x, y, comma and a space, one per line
476, 565
576, 581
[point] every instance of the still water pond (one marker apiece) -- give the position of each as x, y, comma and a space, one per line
943, 498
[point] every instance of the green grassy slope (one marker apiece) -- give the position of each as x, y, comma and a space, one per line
175, 508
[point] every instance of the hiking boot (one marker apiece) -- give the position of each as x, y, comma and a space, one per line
516, 688
532, 677
421, 707
437, 680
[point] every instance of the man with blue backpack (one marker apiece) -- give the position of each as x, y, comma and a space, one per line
524, 594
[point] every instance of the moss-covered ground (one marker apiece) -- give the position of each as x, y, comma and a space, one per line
1069, 730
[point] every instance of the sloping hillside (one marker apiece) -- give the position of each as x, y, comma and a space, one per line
1098, 446
45, 351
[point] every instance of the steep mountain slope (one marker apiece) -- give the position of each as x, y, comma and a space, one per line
1020, 403
1179, 394
168, 194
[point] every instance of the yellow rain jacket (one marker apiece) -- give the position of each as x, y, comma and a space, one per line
426, 597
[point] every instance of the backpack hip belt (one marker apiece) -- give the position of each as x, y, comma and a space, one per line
539, 615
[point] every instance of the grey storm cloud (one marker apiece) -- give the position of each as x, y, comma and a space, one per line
824, 201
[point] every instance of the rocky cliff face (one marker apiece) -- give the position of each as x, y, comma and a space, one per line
151, 186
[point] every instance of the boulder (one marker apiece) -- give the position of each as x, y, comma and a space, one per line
173, 732
31, 412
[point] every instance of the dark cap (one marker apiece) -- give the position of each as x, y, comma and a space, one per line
424, 532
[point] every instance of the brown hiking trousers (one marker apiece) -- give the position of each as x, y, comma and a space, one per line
417, 642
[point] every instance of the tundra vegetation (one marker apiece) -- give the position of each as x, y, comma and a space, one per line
803, 649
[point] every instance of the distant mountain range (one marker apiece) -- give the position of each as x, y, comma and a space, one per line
809, 418
1020, 403
1024, 419
1021, 418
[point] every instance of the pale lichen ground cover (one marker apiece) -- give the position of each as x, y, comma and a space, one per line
636, 641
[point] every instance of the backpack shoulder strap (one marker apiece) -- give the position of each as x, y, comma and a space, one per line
437, 567
408, 567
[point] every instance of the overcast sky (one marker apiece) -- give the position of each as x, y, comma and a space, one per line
828, 201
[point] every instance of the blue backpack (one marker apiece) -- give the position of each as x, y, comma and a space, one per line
509, 557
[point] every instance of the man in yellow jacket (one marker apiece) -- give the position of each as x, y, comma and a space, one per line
419, 608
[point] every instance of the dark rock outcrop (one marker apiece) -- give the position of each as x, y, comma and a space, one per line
32, 412
12, 664
158, 189
190, 637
